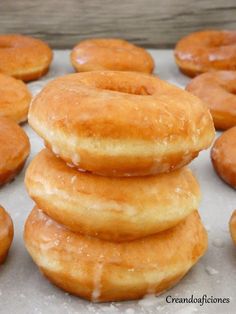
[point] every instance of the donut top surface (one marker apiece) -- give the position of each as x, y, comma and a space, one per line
207, 50
217, 81
218, 90
14, 98
121, 105
116, 123
14, 144
110, 54
18, 52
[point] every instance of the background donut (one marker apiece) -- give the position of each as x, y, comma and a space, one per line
6, 234
15, 98
24, 57
223, 156
205, 51
15, 148
110, 54
217, 89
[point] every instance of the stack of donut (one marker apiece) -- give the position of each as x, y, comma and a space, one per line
116, 209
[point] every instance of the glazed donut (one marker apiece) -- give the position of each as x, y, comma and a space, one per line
106, 271
6, 234
206, 50
232, 226
24, 57
110, 54
123, 208
121, 123
15, 98
217, 89
15, 149
223, 156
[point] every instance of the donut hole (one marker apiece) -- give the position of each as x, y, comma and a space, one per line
141, 90
232, 91
217, 44
5, 45
221, 41
231, 88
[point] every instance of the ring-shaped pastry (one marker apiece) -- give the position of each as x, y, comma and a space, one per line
112, 55
15, 99
205, 51
15, 148
110, 208
121, 123
24, 57
106, 271
223, 156
217, 89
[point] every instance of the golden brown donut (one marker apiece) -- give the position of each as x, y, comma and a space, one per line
217, 89
14, 98
15, 147
110, 54
121, 123
6, 234
205, 51
106, 271
24, 57
223, 156
123, 208
232, 226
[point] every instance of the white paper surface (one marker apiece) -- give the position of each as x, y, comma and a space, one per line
24, 290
